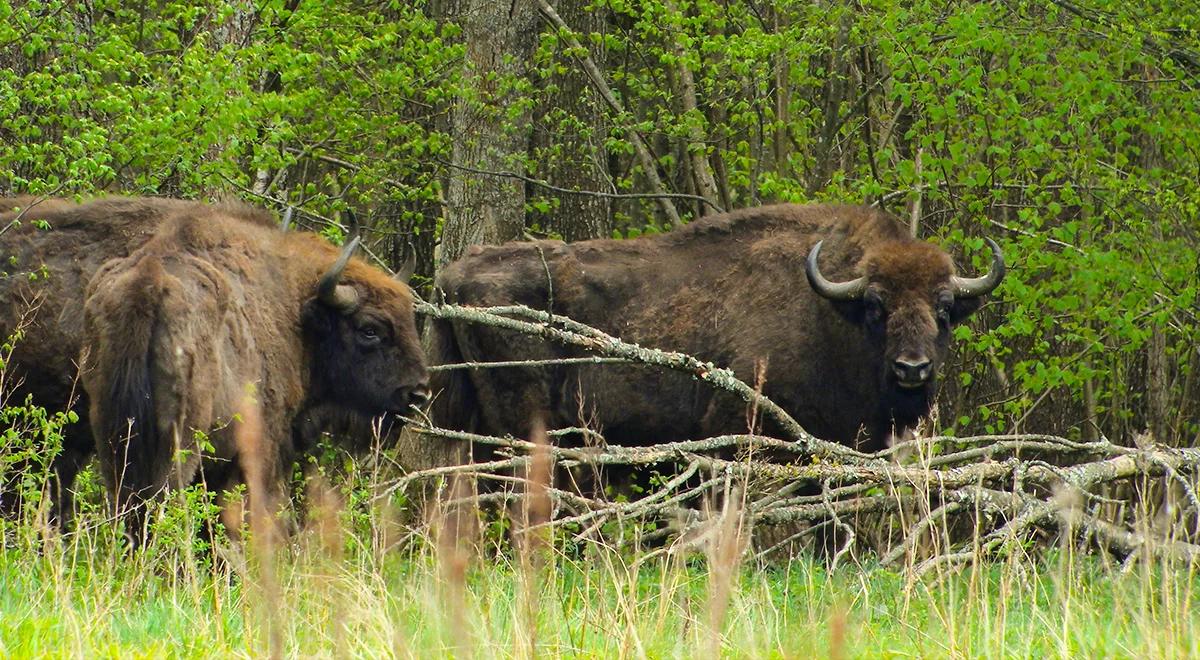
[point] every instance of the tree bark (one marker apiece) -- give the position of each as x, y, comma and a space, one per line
1158, 367
490, 128
576, 133
696, 147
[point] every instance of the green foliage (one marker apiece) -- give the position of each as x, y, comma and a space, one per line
30, 438
196, 99
1067, 131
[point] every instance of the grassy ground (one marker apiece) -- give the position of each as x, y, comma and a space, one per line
354, 582
81, 596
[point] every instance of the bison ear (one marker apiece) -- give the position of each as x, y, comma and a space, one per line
963, 308
317, 319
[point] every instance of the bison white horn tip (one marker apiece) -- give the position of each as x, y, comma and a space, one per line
850, 290
974, 287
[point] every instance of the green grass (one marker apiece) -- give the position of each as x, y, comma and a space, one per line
81, 596
355, 582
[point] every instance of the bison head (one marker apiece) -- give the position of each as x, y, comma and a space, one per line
907, 300
366, 353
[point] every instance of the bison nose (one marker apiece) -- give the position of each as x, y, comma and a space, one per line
912, 372
419, 395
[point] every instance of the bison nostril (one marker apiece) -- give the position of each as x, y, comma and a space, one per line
419, 396
912, 371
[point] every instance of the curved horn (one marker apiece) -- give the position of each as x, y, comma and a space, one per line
405, 272
287, 218
852, 290
973, 287
341, 297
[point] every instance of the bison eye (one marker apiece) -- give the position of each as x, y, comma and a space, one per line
873, 305
368, 335
945, 302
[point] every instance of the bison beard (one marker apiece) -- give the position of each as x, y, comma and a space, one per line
212, 308
853, 359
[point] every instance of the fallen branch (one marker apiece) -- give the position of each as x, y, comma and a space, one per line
972, 497
566, 331
1019, 497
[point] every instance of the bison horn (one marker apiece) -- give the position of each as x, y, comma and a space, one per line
973, 287
341, 297
405, 272
851, 290
287, 218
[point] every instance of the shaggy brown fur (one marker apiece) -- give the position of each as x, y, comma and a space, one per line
43, 273
730, 289
213, 307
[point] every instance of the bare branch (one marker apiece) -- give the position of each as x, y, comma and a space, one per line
644, 156
586, 193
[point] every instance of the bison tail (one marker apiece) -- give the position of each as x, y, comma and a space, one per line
122, 327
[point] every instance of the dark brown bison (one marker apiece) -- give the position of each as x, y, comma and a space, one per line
49, 249
215, 308
851, 338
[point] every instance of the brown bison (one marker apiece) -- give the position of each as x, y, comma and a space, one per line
853, 354
49, 249
214, 307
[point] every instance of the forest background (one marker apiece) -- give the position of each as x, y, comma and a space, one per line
1068, 131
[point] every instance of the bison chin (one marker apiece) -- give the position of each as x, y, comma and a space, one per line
356, 430
903, 407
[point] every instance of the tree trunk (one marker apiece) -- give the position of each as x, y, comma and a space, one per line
576, 133
697, 147
491, 131
1158, 367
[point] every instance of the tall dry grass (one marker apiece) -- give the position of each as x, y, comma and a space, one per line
83, 595
357, 581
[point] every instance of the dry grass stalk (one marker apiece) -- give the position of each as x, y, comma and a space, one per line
455, 529
264, 531
725, 547
532, 536
324, 521
837, 634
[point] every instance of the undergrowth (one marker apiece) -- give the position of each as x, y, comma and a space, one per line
360, 576
358, 580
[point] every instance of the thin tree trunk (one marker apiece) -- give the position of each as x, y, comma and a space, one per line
782, 98
835, 92
641, 149
580, 162
489, 135
235, 30
697, 148
1158, 368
